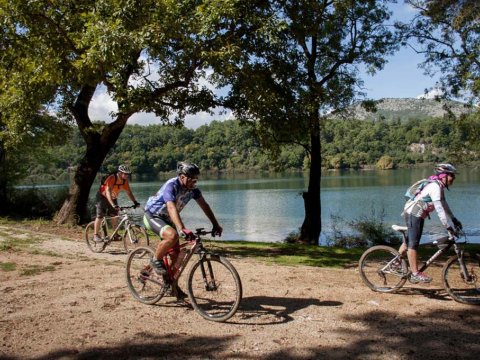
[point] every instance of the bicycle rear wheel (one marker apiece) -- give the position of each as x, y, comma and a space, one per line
463, 289
95, 246
135, 236
214, 288
380, 272
144, 284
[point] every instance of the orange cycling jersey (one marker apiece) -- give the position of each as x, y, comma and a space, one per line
116, 185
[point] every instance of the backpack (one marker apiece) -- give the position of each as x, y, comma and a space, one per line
412, 192
415, 189
104, 178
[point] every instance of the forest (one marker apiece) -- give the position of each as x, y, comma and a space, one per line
229, 146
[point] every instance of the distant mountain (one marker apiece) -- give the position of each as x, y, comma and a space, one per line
404, 109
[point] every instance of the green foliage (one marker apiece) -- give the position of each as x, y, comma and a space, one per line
449, 36
34, 203
385, 163
229, 146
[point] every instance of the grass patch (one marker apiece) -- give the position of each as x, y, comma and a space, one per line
308, 255
15, 243
36, 269
288, 254
24, 222
8, 266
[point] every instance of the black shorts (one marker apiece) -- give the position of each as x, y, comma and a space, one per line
156, 223
415, 230
103, 207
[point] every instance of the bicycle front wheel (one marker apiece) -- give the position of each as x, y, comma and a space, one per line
135, 236
464, 289
95, 246
382, 270
142, 281
214, 288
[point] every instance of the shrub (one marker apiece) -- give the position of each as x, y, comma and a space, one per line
364, 231
34, 203
385, 163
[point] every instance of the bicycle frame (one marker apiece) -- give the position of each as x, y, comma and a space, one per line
446, 246
193, 246
124, 219
124, 222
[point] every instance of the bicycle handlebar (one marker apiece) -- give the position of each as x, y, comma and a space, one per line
202, 231
127, 207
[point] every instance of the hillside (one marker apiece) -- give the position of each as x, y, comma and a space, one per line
408, 108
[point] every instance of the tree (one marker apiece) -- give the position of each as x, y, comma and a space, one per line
148, 54
448, 33
304, 67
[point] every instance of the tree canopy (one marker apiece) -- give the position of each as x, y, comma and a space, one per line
448, 32
149, 55
308, 67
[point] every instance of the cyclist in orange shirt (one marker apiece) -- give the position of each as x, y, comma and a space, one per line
106, 198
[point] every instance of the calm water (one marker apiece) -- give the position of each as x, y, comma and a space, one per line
268, 208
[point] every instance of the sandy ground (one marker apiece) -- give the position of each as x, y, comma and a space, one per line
77, 306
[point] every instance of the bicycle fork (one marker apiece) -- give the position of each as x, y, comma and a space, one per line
463, 268
209, 279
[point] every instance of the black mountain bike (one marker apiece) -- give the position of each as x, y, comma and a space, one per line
383, 269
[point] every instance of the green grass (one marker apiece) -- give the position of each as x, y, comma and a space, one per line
7, 266
274, 253
13, 243
288, 254
36, 269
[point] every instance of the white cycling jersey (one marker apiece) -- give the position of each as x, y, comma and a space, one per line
431, 197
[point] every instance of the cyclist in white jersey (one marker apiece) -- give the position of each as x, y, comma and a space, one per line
430, 198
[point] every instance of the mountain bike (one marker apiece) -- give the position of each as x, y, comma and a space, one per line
213, 285
383, 269
132, 234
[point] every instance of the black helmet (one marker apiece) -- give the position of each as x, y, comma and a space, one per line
445, 169
187, 169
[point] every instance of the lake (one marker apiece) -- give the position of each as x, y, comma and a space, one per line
269, 207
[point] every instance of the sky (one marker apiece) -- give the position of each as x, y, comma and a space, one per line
400, 78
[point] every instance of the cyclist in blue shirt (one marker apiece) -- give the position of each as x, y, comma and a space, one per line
162, 212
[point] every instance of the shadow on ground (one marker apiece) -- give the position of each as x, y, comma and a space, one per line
276, 310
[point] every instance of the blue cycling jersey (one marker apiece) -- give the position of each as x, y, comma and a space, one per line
172, 190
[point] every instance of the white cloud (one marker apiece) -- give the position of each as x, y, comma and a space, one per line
102, 105
431, 94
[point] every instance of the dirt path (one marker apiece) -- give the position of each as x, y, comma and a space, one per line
73, 304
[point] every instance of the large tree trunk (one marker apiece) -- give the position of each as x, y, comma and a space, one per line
74, 209
312, 224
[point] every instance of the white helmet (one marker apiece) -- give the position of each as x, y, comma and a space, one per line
125, 169
445, 169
